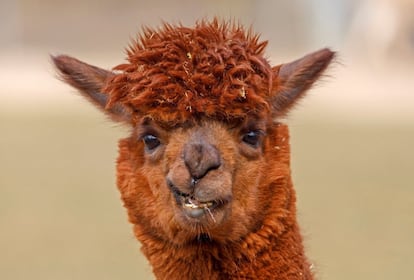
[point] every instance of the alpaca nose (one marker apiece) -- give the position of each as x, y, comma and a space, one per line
200, 158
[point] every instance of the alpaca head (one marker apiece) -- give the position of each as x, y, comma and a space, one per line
206, 147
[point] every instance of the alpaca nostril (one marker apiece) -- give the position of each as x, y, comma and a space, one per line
170, 183
200, 158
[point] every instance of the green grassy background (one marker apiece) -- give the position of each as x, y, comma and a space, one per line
61, 216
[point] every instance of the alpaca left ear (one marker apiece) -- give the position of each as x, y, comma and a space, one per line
90, 80
295, 78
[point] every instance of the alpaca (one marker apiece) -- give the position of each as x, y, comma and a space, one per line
205, 174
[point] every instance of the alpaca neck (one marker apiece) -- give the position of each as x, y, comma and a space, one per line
265, 254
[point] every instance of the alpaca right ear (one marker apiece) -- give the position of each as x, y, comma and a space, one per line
90, 80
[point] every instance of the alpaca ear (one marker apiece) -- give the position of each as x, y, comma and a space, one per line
90, 80
295, 78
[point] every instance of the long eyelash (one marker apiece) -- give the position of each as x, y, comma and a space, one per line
254, 129
260, 132
145, 131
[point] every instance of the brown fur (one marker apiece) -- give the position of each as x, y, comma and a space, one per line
177, 73
210, 100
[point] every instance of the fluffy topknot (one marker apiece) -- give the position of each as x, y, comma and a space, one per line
174, 74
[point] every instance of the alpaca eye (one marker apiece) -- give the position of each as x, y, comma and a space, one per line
252, 138
151, 142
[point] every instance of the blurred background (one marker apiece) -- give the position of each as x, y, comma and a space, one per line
60, 212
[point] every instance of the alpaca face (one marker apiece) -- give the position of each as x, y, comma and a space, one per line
203, 105
200, 170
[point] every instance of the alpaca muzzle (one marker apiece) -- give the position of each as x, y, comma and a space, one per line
194, 207
195, 178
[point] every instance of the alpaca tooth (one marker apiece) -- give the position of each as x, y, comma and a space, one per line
190, 204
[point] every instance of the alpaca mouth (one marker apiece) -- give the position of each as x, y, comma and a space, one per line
194, 207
